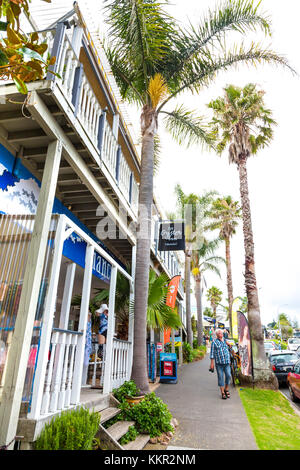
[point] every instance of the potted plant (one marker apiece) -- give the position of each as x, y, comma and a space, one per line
128, 392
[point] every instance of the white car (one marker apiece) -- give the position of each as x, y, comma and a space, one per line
269, 347
293, 344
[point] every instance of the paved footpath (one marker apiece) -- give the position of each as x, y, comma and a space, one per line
206, 422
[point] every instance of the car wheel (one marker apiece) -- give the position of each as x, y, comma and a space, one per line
292, 395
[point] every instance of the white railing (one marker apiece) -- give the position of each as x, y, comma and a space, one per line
60, 371
124, 176
66, 68
109, 149
88, 112
120, 362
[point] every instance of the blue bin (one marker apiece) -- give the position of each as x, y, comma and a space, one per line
168, 368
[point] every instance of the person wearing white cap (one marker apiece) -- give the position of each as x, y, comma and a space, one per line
102, 312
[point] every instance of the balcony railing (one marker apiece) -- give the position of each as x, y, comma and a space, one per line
78, 92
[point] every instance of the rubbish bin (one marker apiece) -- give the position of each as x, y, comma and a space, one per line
168, 368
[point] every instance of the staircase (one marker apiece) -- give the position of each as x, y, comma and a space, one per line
110, 437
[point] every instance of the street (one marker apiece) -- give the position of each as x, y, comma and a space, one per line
284, 389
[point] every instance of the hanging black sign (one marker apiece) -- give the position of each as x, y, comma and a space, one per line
171, 236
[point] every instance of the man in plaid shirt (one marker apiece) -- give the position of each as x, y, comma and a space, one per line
220, 355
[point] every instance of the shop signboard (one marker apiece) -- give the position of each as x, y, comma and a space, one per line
171, 236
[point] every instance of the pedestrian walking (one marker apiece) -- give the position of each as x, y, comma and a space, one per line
220, 356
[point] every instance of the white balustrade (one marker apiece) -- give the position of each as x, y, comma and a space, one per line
109, 149
59, 377
89, 112
124, 176
120, 362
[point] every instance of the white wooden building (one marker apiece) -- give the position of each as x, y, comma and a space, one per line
67, 164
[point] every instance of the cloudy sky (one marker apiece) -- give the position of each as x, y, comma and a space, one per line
273, 174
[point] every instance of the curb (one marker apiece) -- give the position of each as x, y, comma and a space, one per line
295, 408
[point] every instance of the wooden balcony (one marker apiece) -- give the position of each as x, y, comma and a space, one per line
76, 111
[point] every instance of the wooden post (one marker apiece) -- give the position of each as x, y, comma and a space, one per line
50, 302
67, 296
110, 330
83, 319
21, 341
181, 332
172, 340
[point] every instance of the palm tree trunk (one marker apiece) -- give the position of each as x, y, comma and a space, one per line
263, 375
229, 282
187, 277
139, 367
198, 295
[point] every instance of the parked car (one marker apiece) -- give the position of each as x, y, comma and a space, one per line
293, 343
298, 351
293, 381
269, 347
282, 363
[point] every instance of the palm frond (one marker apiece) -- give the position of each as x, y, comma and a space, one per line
142, 31
242, 16
204, 71
211, 267
188, 129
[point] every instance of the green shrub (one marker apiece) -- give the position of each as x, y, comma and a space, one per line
187, 352
72, 430
131, 435
128, 388
151, 415
199, 353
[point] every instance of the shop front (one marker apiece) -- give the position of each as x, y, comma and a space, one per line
76, 267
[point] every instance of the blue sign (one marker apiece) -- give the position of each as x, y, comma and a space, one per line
75, 249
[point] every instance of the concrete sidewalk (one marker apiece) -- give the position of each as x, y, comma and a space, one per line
206, 422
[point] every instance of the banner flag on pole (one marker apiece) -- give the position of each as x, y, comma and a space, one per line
244, 344
171, 301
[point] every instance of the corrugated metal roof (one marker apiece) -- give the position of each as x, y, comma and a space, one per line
44, 14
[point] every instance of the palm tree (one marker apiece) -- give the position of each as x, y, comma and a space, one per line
225, 215
245, 125
192, 209
204, 260
214, 296
183, 201
154, 60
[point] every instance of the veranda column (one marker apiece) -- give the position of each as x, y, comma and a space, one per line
83, 319
172, 341
21, 341
67, 296
180, 334
110, 330
48, 316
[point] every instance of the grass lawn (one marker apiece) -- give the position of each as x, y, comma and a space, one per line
274, 423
